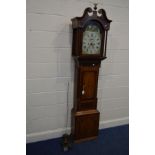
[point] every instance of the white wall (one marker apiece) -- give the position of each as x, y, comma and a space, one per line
50, 66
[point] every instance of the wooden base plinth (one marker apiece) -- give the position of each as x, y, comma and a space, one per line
85, 139
85, 125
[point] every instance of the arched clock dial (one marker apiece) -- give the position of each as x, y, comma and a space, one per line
91, 40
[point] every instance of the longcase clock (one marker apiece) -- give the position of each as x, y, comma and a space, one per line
88, 50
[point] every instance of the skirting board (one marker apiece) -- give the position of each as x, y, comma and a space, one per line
50, 134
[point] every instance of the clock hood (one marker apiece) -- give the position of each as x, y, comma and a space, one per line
92, 15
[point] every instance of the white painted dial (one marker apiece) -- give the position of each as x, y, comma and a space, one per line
91, 40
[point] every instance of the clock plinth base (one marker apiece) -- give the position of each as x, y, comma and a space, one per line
85, 139
85, 125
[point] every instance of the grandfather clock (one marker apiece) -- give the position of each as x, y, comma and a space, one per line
88, 50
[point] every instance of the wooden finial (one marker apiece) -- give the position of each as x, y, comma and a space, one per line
95, 6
